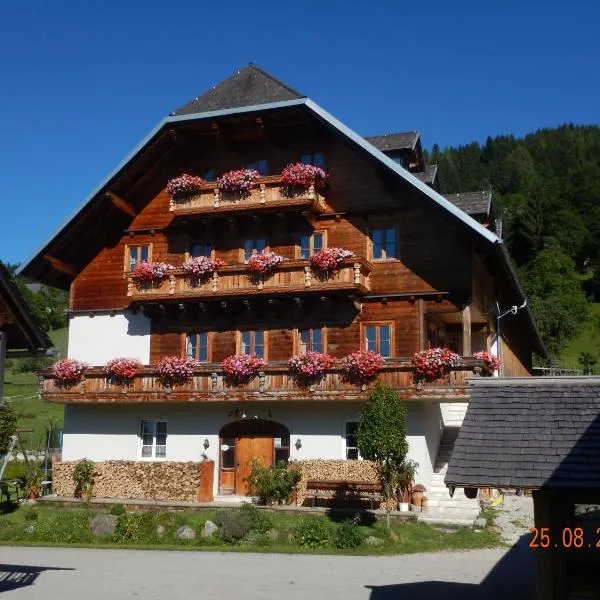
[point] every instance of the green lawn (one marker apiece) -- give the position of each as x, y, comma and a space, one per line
157, 530
22, 393
588, 340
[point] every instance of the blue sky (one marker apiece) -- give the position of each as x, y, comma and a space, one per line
81, 83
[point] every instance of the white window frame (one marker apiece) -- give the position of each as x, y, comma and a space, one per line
141, 440
344, 439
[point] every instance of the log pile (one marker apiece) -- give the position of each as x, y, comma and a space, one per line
177, 481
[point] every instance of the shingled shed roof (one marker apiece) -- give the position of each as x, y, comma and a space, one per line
531, 433
248, 87
473, 203
406, 140
428, 175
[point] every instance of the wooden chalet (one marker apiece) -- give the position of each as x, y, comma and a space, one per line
423, 273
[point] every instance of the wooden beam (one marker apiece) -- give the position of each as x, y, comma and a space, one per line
61, 265
122, 205
466, 323
422, 329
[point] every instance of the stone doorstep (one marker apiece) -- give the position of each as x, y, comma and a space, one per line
67, 502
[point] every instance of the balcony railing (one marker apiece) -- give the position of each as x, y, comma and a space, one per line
294, 276
267, 193
276, 382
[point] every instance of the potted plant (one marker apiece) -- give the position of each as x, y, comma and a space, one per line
68, 371
184, 186
31, 483
83, 476
329, 259
406, 477
298, 177
200, 268
361, 366
150, 273
310, 366
238, 183
174, 370
417, 495
264, 263
241, 368
122, 370
429, 365
491, 361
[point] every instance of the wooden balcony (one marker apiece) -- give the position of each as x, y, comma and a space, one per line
277, 382
267, 193
292, 277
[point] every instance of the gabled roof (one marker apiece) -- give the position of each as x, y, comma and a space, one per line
534, 432
428, 175
24, 333
249, 86
388, 142
473, 203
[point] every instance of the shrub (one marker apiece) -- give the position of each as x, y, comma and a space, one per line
234, 525
312, 533
347, 535
30, 514
8, 426
272, 484
260, 521
135, 528
83, 476
117, 510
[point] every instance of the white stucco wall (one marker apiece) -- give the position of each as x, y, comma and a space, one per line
99, 338
102, 432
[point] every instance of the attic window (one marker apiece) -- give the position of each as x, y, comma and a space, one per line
398, 159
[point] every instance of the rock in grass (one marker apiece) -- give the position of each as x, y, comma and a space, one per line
160, 531
373, 541
185, 532
103, 525
208, 529
480, 523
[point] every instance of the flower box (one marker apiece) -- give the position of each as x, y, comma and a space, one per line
362, 365
201, 267
311, 366
491, 361
329, 259
298, 177
241, 368
432, 364
238, 183
148, 273
264, 263
174, 369
122, 370
185, 186
68, 371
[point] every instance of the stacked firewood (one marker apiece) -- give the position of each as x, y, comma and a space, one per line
178, 481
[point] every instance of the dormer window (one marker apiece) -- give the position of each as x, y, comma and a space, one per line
399, 159
262, 166
316, 159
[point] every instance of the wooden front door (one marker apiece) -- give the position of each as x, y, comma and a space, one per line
247, 448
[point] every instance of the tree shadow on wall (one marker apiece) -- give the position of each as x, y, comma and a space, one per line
13, 577
512, 577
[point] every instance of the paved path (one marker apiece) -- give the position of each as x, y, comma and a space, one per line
73, 574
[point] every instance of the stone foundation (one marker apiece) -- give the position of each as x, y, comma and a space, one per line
178, 481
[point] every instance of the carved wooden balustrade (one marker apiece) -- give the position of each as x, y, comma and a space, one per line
293, 276
267, 192
276, 382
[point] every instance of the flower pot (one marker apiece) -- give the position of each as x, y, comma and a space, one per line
417, 498
404, 507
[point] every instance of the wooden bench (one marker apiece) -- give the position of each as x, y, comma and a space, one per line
345, 491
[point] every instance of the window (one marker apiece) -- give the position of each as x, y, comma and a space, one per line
209, 174
378, 339
135, 255
314, 158
383, 243
197, 346
351, 440
399, 159
200, 249
252, 342
310, 340
153, 436
262, 166
253, 247
281, 449
311, 244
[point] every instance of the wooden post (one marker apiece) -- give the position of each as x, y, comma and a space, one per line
422, 332
207, 473
466, 323
2, 363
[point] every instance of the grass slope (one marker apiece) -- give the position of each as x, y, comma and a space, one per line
22, 393
588, 340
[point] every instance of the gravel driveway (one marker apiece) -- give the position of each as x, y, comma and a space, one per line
72, 574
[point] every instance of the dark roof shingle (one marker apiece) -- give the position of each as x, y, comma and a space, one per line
536, 432
428, 175
248, 87
394, 141
473, 203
